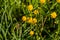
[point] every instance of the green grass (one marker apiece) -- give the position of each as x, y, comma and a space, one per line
13, 28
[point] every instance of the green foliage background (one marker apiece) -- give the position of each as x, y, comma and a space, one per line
13, 28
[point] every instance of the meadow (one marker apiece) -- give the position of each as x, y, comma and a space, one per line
29, 19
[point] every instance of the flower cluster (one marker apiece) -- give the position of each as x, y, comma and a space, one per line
33, 20
29, 19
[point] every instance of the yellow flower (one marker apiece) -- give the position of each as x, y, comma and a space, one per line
30, 20
53, 15
24, 18
34, 20
31, 33
30, 7
42, 1
36, 12
58, 1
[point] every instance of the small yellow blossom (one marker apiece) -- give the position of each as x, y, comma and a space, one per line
34, 20
42, 1
31, 33
30, 20
30, 7
24, 18
53, 15
58, 1
36, 12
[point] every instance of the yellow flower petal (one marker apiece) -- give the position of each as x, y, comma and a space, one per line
58, 1
34, 20
36, 12
30, 20
24, 18
31, 33
42, 1
30, 7
53, 15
